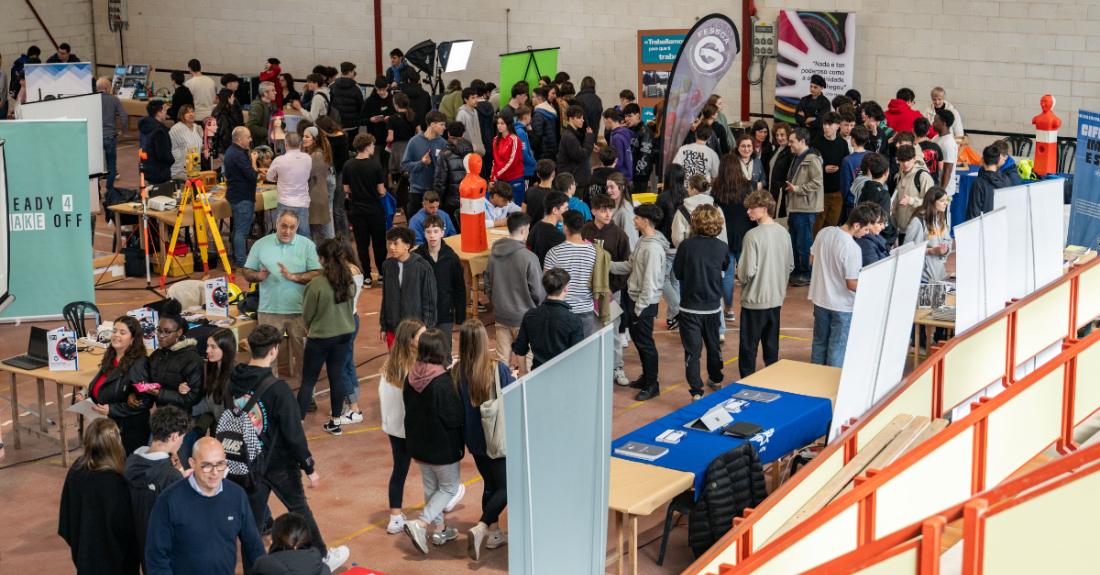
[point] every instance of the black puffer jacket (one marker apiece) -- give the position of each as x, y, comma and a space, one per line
170, 367
777, 178
575, 153
119, 385
449, 173
348, 99
291, 562
734, 482
450, 283
593, 109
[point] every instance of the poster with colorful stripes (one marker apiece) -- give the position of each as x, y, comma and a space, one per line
822, 43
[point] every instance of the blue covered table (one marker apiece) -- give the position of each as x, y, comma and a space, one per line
790, 422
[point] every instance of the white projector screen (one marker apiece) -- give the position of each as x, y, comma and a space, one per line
85, 107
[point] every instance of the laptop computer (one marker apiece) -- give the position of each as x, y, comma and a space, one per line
37, 355
166, 189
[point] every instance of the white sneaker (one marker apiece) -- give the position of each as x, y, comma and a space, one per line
497, 538
336, 557
451, 505
721, 338
397, 524
620, 377
351, 417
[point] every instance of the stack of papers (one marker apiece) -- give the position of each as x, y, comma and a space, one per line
1076, 250
672, 436
761, 396
945, 313
734, 405
641, 451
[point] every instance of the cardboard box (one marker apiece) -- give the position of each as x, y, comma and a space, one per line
174, 269
106, 275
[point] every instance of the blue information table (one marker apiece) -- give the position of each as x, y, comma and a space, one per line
790, 422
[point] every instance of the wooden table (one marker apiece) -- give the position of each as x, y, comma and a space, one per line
474, 264
639, 489
89, 366
166, 219
920, 318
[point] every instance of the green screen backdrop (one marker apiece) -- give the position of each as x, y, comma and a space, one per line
48, 215
519, 66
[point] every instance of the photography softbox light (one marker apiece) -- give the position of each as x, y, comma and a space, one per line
454, 55
422, 56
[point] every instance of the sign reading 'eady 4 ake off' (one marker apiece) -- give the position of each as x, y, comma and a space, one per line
29, 213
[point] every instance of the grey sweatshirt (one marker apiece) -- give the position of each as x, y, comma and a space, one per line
513, 281
916, 233
646, 267
112, 107
767, 260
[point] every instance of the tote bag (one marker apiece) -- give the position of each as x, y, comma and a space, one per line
492, 421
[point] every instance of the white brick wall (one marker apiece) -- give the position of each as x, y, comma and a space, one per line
69, 21
995, 59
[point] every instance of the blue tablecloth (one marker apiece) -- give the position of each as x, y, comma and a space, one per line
790, 422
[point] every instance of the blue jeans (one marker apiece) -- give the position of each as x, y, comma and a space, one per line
303, 219
519, 186
243, 212
830, 336
110, 153
801, 227
727, 287
351, 379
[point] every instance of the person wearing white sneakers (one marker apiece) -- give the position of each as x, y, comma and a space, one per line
478, 374
390, 385
434, 419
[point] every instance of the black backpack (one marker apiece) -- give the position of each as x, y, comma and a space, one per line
241, 441
332, 112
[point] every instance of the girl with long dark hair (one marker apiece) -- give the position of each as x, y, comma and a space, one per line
225, 115
291, 550
327, 313
731, 187
400, 128
477, 373
930, 223
777, 166
221, 351
508, 156
123, 364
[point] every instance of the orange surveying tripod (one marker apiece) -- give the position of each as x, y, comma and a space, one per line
195, 192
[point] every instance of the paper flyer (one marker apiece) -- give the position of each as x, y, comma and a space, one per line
148, 320
217, 297
62, 348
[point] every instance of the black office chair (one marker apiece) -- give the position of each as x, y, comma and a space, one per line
75, 316
1067, 153
1021, 145
682, 504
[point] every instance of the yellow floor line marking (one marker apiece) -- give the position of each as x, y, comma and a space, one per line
729, 361
385, 521
793, 337
624, 410
345, 433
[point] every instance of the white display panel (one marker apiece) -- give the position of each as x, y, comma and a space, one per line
58, 80
981, 267
834, 538
1021, 428
87, 107
1035, 245
878, 339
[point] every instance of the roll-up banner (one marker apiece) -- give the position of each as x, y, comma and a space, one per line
704, 58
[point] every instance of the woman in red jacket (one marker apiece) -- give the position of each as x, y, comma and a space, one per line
271, 74
508, 157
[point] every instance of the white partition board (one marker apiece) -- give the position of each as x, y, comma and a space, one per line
558, 436
937, 481
1088, 296
769, 523
1035, 243
1055, 532
86, 107
906, 562
878, 339
1087, 391
981, 267
834, 538
1023, 427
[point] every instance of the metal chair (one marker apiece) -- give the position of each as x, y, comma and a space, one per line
1067, 154
1021, 145
682, 504
75, 316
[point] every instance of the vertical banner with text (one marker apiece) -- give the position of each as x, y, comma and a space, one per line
811, 43
48, 215
704, 58
1084, 213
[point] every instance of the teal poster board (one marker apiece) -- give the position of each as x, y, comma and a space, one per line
529, 66
49, 217
661, 48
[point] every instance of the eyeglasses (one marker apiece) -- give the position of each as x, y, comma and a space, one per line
208, 467
166, 331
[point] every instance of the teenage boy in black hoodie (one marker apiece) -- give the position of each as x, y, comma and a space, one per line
700, 262
413, 294
282, 436
376, 110
552, 327
990, 179
875, 170
151, 469
833, 150
812, 107
449, 280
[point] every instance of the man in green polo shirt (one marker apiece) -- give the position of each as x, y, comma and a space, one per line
283, 263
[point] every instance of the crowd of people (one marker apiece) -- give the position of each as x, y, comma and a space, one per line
780, 205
